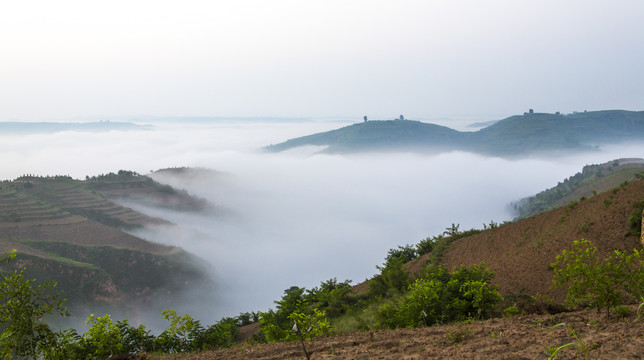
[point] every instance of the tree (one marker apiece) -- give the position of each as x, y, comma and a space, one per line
405, 254
23, 307
276, 324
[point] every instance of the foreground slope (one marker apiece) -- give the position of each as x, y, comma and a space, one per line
518, 338
69, 231
521, 252
531, 133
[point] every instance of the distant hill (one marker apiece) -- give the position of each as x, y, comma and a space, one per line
591, 180
515, 136
17, 127
69, 231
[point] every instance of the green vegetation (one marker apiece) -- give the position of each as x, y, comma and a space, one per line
88, 268
635, 220
294, 317
440, 297
582, 185
24, 306
25, 334
599, 283
553, 351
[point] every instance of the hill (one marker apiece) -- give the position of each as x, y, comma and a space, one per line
16, 127
74, 233
514, 136
591, 180
380, 135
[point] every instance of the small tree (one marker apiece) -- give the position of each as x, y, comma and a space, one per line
23, 307
599, 283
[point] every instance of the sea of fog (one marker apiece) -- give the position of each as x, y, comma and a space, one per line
298, 217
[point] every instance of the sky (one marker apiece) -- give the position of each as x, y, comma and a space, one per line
68, 60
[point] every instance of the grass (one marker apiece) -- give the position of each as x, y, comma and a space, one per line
553, 351
458, 335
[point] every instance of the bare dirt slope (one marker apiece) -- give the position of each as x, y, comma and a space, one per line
520, 337
521, 253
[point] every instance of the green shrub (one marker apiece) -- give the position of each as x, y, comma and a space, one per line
277, 325
392, 280
24, 334
511, 311
622, 311
180, 335
332, 297
439, 297
599, 283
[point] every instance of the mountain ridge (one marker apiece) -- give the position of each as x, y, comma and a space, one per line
517, 135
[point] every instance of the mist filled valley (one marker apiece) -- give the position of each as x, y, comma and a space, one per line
297, 217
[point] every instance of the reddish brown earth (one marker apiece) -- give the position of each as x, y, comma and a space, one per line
520, 337
520, 253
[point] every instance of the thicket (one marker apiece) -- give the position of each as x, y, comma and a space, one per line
599, 283
441, 297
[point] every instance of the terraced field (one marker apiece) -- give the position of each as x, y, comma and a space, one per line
71, 232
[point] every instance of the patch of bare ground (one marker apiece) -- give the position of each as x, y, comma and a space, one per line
519, 337
520, 253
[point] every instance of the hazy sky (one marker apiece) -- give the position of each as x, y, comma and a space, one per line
69, 59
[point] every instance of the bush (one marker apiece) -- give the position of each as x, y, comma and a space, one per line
180, 336
511, 311
402, 254
332, 297
599, 283
439, 297
24, 333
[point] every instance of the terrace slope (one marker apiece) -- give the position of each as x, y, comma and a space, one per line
69, 231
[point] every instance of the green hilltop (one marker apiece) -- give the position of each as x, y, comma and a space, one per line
514, 136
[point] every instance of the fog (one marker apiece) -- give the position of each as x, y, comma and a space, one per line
299, 217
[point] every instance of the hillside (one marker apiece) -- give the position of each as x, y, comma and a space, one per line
591, 180
69, 231
381, 135
514, 136
520, 253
